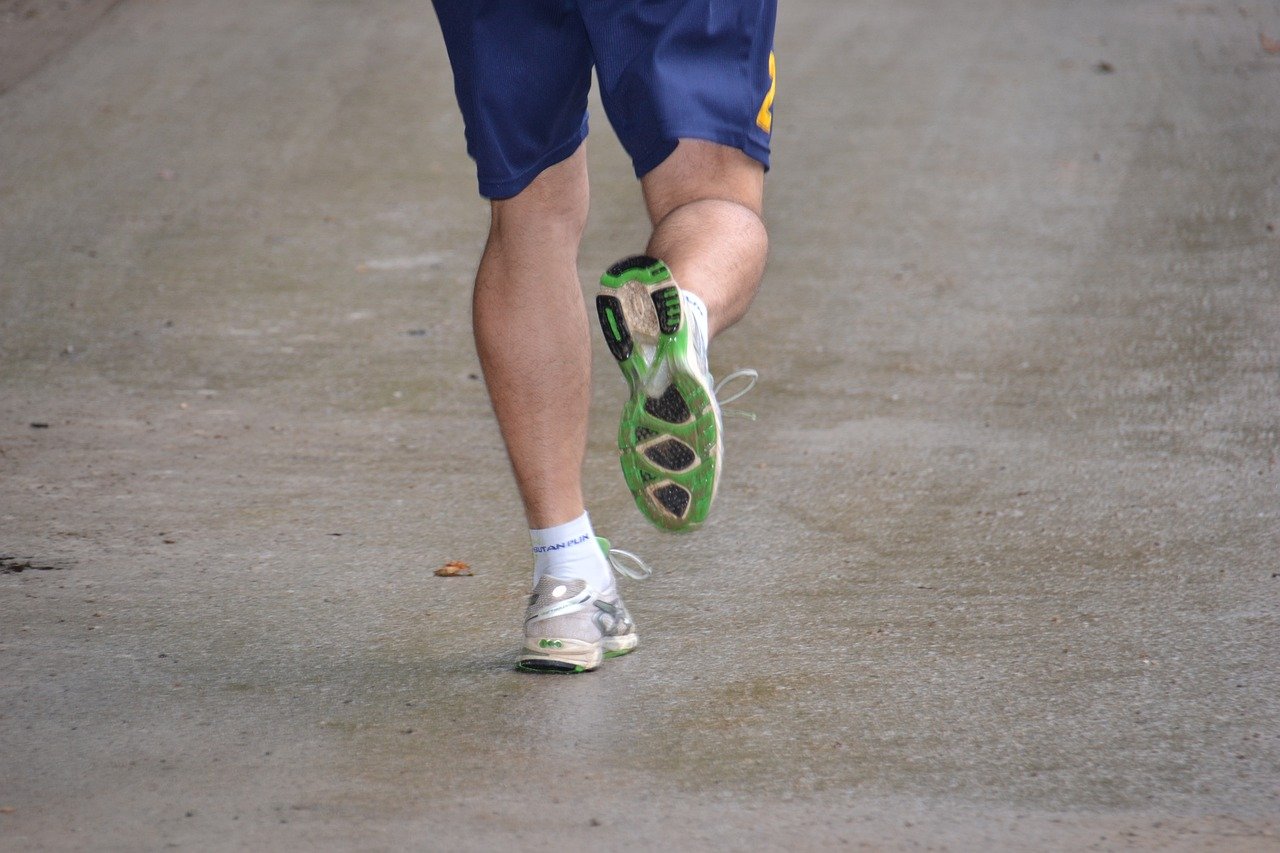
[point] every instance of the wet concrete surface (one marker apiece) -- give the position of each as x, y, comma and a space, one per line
996, 568
33, 32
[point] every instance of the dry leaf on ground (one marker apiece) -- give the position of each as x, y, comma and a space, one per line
454, 569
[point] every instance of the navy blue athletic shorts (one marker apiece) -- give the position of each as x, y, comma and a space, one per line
668, 70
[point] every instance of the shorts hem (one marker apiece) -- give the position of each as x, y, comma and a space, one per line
661, 150
497, 190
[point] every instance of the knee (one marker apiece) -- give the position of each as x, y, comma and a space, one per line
553, 209
541, 216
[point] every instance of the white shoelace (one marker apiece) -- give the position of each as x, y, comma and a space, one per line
635, 568
745, 373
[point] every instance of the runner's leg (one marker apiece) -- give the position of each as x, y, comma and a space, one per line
531, 334
705, 201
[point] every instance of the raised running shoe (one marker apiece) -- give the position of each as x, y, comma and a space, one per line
571, 627
669, 437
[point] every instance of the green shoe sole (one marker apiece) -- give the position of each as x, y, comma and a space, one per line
668, 437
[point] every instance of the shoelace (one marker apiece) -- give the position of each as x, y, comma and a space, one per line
745, 373
636, 570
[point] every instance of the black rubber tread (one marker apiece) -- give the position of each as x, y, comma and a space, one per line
644, 434
536, 665
634, 262
666, 302
670, 407
672, 455
619, 348
674, 498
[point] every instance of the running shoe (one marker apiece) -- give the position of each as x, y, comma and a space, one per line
570, 627
669, 437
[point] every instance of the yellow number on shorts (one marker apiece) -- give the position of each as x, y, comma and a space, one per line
765, 117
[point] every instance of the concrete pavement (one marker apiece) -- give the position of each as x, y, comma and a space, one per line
996, 568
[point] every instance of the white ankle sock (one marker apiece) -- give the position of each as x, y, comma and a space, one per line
569, 551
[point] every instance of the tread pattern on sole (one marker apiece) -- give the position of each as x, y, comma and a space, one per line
666, 302
667, 442
674, 499
614, 325
671, 454
633, 262
670, 407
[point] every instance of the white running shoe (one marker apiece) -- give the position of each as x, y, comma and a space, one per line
670, 437
571, 627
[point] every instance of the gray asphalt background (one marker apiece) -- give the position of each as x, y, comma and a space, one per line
996, 568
